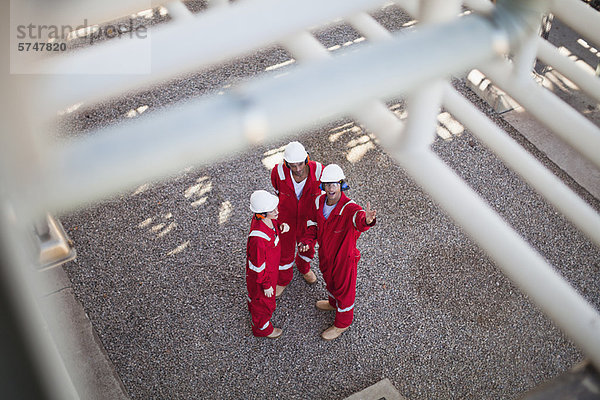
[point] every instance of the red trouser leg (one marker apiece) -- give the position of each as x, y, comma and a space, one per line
304, 258
287, 242
261, 312
345, 297
343, 319
344, 308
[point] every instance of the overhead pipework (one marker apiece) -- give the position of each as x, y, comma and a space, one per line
39, 175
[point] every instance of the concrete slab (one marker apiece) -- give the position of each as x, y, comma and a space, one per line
91, 371
382, 390
581, 383
580, 169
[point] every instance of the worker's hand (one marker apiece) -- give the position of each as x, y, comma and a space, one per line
370, 214
284, 228
303, 247
269, 292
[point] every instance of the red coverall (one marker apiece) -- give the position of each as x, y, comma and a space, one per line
295, 213
338, 255
262, 262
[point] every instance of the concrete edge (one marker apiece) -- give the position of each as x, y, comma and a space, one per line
85, 358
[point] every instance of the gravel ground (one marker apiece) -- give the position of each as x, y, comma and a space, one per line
160, 272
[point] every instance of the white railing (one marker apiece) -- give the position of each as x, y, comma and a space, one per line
67, 175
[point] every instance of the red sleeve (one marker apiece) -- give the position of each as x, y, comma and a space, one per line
275, 179
257, 261
310, 234
359, 220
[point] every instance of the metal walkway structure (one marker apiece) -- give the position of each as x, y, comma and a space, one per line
501, 40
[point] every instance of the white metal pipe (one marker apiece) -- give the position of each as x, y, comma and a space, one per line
436, 11
410, 6
423, 106
374, 114
164, 142
368, 27
524, 60
587, 82
526, 268
565, 200
518, 159
580, 17
552, 112
480, 6
305, 47
19, 281
571, 205
218, 3
76, 13
235, 31
177, 10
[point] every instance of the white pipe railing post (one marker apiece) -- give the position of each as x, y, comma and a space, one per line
423, 106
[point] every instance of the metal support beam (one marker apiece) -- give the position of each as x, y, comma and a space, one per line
518, 159
235, 31
161, 143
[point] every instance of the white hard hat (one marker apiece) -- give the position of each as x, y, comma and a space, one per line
332, 173
294, 152
262, 201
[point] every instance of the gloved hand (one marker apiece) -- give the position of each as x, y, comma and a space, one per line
303, 247
284, 228
269, 292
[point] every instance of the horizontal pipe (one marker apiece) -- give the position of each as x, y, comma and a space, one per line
374, 114
519, 160
480, 6
178, 10
368, 27
234, 31
548, 109
410, 6
519, 262
163, 142
75, 13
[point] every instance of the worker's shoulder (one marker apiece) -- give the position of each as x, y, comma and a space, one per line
316, 167
278, 170
276, 167
349, 206
259, 234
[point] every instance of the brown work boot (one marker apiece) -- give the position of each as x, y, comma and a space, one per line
324, 305
275, 334
310, 277
333, 332
279, 291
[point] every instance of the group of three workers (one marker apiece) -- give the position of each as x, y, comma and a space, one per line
309, 207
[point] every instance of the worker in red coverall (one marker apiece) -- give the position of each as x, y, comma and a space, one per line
296, 182
336, 225
262, 262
